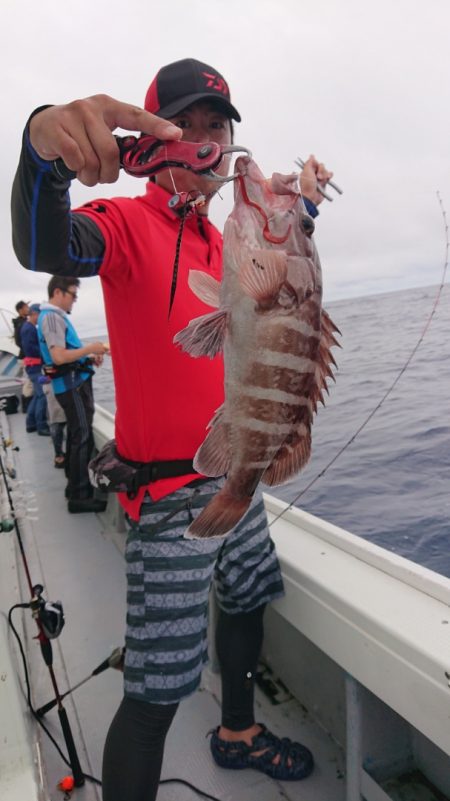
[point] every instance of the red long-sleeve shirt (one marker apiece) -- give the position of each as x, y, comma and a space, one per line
165, 398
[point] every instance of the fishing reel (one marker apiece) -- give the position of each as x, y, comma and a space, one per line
49, 615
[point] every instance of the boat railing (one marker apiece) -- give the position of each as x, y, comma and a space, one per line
383, 619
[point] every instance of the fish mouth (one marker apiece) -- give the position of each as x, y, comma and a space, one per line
241, 164
241, 170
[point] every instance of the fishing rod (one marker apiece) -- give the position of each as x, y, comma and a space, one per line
6, 321
395, 381
49, 618
113, 661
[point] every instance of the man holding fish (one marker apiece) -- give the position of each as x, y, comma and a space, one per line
162, 246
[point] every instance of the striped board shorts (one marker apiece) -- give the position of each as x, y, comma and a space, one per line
169, 580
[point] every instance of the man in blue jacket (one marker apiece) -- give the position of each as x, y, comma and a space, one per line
37, 410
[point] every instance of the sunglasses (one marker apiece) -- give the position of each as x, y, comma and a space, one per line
69, 292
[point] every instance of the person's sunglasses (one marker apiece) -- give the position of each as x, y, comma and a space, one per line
69, 292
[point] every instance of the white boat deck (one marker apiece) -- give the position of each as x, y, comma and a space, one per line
79, 563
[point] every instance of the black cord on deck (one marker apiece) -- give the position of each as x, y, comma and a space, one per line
50, 736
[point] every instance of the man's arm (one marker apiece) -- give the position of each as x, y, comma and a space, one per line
46, 235
54, 333
67, 356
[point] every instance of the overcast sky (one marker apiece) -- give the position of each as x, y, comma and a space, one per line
362, 84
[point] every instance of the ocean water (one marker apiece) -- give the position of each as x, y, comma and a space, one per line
391, 484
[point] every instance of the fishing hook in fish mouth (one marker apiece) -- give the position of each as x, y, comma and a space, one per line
225, 150
268, 236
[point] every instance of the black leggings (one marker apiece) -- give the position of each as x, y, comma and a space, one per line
134, 750
238, 645
134, 746
78, 405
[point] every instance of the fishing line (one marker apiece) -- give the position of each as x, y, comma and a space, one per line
175, 190
394, 383
6, 321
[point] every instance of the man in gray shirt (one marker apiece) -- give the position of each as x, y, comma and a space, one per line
69, 364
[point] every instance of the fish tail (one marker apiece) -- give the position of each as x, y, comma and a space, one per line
219, 516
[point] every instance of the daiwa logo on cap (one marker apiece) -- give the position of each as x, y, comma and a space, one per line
217, 83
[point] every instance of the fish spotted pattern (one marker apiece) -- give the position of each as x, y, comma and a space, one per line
276, 341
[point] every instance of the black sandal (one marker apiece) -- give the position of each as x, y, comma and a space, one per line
296, 761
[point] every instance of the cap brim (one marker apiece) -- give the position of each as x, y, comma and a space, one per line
179, 105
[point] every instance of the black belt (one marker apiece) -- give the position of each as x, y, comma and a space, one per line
54, 371
154, 471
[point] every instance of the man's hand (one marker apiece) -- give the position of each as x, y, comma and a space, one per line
97, 348
81, 134
69, 355
314, 173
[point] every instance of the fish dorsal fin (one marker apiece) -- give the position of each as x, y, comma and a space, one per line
204, 336
205, 286
328, 330
213, 458
295, 451
263, 273
291, 457
324, 359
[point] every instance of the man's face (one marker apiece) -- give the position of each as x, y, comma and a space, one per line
65, 298
24, 311
201, 122
33, 317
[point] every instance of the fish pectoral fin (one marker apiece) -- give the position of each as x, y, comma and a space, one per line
290, 458
205, 286
263, 273
213, 457
204, 336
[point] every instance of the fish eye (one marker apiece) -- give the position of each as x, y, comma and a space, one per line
307, 223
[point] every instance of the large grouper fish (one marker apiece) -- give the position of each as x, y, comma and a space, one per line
276, 341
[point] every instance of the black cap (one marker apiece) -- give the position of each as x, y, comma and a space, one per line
178, 85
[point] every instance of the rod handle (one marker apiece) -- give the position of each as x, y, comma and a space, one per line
78, 775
